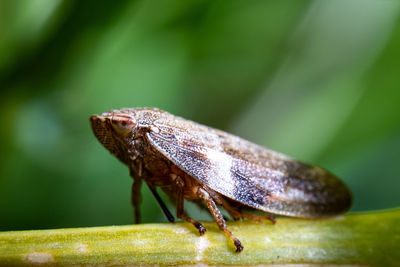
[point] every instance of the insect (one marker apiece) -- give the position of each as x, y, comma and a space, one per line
191, 161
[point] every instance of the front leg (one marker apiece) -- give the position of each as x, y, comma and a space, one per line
136, 195
180, 212
136, 198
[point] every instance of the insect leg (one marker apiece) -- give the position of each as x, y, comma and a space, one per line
218, 218
259, 218
237, 214
166, 211
136, 198
180, 212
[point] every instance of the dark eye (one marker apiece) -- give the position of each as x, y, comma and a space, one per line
122, 124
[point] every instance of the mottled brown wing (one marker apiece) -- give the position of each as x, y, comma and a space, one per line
250, 174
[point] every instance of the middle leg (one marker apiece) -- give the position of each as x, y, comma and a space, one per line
180, 212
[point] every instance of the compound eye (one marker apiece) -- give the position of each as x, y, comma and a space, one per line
122, 124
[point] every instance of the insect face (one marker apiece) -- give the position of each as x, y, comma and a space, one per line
115, 131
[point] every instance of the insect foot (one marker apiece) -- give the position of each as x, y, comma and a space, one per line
201, 228
238, 245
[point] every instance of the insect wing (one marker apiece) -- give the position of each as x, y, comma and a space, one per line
250, 174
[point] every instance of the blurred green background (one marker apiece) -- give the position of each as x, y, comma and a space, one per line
317, 80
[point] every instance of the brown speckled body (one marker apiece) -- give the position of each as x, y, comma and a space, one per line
192, 161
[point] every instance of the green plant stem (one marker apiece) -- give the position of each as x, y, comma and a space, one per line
368, 238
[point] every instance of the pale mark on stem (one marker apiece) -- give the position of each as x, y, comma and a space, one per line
339, 218
39, 257
201, 245
81, 247
181, 231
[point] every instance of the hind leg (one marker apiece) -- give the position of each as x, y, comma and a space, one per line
219, 219
237, 214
